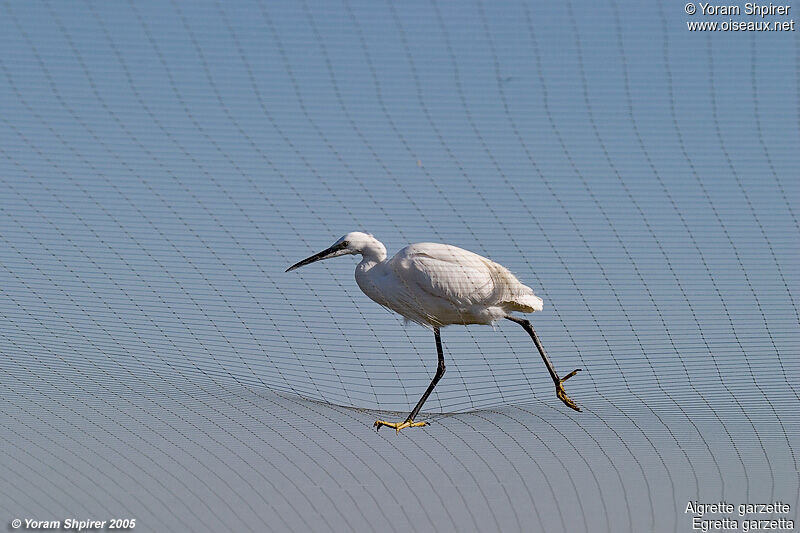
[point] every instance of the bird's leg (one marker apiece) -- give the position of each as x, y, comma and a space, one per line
409, 421
562, 395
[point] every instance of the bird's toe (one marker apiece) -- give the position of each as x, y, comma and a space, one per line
562, 394
397, 426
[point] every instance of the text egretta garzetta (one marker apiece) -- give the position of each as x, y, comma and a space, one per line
437, 285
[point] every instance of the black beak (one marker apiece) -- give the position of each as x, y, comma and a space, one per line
324, 254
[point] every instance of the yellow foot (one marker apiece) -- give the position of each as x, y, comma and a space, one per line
562, 395
399, 425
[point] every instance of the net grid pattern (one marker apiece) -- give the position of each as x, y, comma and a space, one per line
162, 164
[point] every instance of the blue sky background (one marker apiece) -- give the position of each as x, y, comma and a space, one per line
162, 164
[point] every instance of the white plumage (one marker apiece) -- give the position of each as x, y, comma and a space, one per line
437, 285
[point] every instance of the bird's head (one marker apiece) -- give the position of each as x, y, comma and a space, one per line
354, 242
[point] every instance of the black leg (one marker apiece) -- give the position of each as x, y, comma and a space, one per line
526, 325
434, 381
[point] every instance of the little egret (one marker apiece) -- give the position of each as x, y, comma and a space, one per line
436, 285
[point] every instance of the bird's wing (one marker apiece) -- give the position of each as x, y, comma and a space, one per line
458, 276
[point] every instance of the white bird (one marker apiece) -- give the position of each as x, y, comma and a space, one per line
437, 285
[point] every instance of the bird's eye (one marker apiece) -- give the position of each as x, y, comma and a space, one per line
345, 244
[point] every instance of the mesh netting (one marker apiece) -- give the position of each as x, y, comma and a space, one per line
163, 164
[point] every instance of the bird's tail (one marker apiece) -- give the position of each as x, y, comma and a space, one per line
526, 303
511, 292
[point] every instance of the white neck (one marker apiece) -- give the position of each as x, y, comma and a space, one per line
373, 252
373, 255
